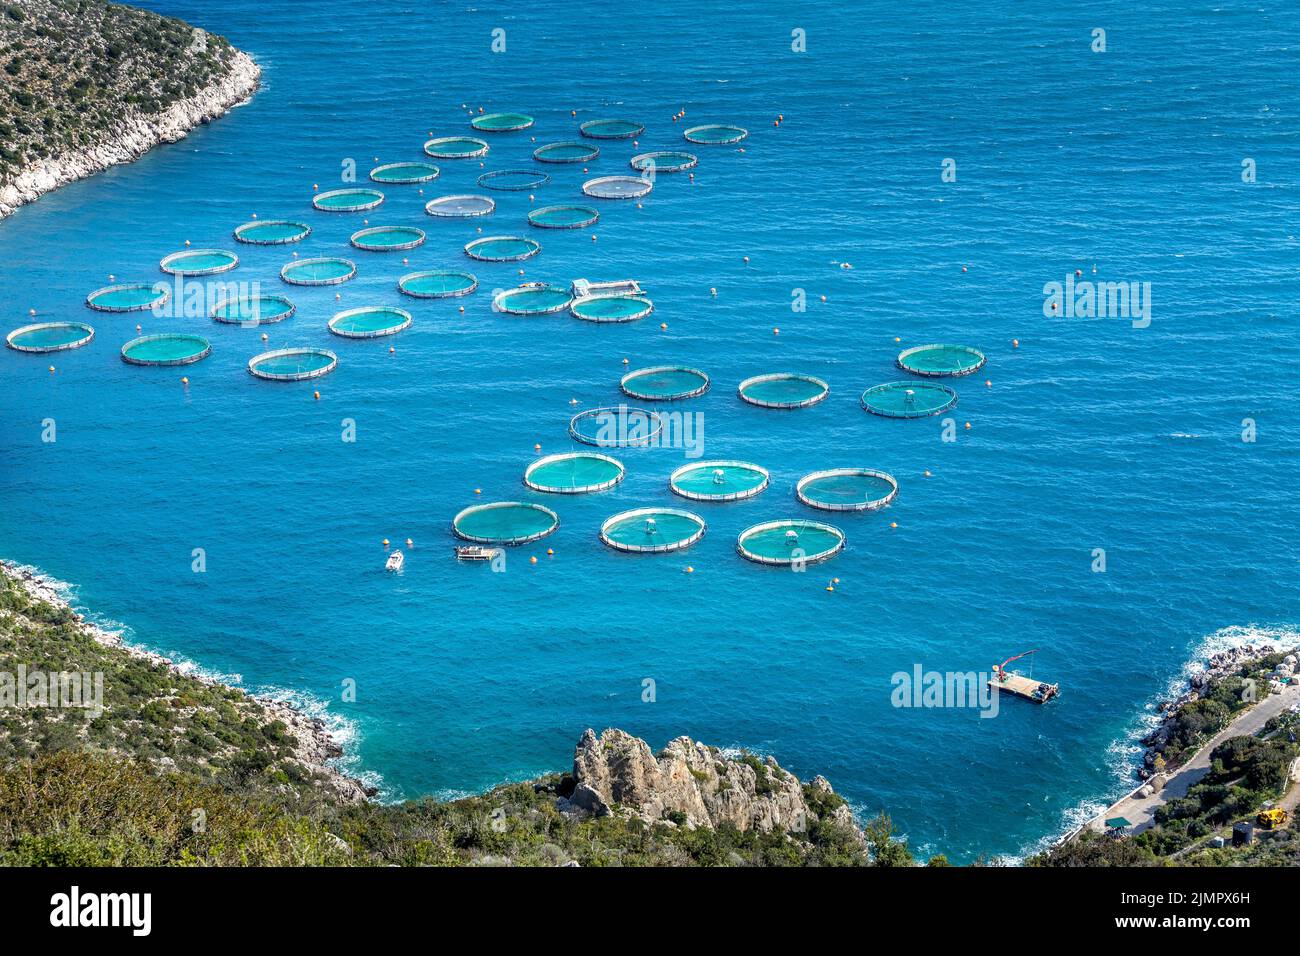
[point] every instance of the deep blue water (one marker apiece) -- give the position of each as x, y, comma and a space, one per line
1094, 434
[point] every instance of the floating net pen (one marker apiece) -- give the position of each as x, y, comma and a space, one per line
721, 480
505, 522
790, 542
652, 530
847, 489
574, 473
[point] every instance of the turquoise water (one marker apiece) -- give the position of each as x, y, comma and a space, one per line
404, 173
703, 480
199, 262
263, 309
505, 523
54, 336
387, 238
272, 233
808, 541
909, 399
1094, 435
654, 531
612, 308
574, 471
348, 200
563, 217
166, 349
535, 301
128, 297
437, 284
847, 490
295, 363
364, 322
567, 152
665, 383
322, 271
502, 249
456, 147
784, 389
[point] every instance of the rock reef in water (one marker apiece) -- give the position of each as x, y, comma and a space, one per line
694, 785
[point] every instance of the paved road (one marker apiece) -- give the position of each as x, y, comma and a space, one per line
1140, 811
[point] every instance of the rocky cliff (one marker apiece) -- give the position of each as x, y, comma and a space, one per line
694, 785
86, 85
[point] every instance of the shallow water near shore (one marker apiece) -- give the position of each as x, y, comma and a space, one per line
1094, 434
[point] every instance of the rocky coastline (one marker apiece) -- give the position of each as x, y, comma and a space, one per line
135, 135
1217, 666
314, 748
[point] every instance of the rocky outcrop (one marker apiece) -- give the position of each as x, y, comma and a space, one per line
134, 136
691, 784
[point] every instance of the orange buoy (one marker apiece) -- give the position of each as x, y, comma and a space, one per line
897, 339
776, 331
624, 361
987, 383
533, 559
187, 242
689, 569
927, 472
663, 325
185, 380
537, 447
51, 368
1015, 343
391, 350
573, 112
478, 491
316, 395
385, 542
823, 298
968, 426
893, 524
593, 238
550, 551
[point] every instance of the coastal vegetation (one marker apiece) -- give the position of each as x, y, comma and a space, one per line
1246, 773
177, 770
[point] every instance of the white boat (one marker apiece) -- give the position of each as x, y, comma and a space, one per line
395, 561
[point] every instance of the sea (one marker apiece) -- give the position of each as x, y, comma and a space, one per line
1122, 503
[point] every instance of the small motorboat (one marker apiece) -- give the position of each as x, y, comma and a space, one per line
475, 552
395, 561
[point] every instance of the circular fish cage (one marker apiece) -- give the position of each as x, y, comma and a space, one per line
562, 217
326, 270
715, 134
908, 399
502, 248
847, 489
505, 522
619, 426
437, 284
501, 122
293, 365
573, 473
611, 308
167, 348
456, 147
719, 480
129, 297
783, 390
253, 310
790, 541
369, 322
50, 337
939, 361
404, 173
617, 187
347, 200
664, 161
664, 383
536, 298
567, 152
460, 207
512, 180
610, 129
198, 262
272, 232
652, 530
388, 238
